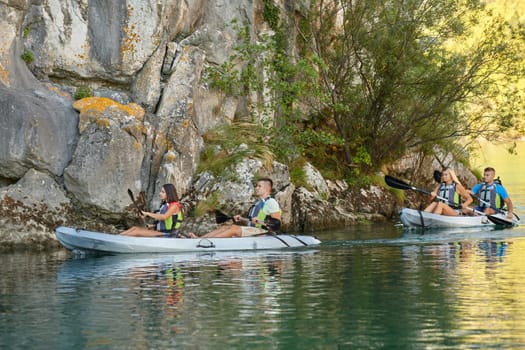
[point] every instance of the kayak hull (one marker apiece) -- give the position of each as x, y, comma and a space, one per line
412, 218
79, 240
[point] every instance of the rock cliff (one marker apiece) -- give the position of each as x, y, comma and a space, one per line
100, 96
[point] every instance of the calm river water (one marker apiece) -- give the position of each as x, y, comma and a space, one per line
369, 287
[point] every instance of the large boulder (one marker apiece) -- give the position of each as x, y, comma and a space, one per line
39, 130
30, 210
108, 158
38, 124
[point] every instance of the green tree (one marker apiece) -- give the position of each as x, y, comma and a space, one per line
400, 74
354, 84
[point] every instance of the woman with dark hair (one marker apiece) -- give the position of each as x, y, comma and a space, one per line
169, 216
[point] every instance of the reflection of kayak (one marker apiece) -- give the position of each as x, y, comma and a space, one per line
81, 240
87, 268
416, 218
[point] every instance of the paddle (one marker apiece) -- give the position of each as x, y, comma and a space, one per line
220, 217
497, 220
132, 197
401, 185
437, 177
270, 223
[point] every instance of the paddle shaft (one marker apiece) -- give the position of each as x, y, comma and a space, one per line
132, 197
468, 208
396, 183
496, 209
220, 218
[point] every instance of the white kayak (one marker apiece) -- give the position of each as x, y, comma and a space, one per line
412, 218
79, 240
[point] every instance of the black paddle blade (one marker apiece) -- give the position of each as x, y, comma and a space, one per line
131, 196
500, 220
272, 224
437, 176
401, 185
220, 217
396, 183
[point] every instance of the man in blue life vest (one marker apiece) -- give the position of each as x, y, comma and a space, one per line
492, 195
266, 207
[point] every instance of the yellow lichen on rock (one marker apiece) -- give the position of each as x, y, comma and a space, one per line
94, 108
103, 123
170, 156
4, 76
59, 92
101, 104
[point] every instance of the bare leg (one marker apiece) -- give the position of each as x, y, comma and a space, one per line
217, 231
224, 232
444, 209
489, 211
141, 232
431, 207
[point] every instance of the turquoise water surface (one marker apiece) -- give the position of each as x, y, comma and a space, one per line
399, 291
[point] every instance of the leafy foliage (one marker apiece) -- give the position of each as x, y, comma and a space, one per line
83, 92
372, 79
28, 57
390, 80
226, 145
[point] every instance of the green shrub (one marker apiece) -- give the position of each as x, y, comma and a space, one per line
26, 32
28, 57
82, 92
229, 144
271, 14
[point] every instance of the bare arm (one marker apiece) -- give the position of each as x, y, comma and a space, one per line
467, 198
172, 210
434, 193
510, 208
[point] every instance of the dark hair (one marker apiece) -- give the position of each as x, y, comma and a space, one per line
489, 168
266, 179
171, 193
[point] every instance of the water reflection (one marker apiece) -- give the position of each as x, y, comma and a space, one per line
172, 296
405, 291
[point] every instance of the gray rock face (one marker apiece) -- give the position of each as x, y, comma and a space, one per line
30, 209
317, 181
37, 188
106, 163
38, 131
